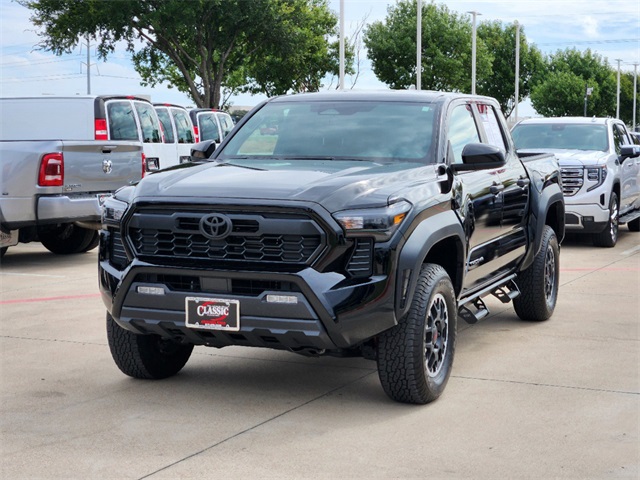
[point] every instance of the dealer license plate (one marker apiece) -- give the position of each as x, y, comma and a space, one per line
212, 314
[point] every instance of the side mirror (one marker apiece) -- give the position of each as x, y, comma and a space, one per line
479, 156
203, 150
627, 151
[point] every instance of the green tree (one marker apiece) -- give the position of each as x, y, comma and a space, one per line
446, 48
500, 40
200, 46
626, 99
563, 85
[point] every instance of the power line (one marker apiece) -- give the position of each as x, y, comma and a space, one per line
593, 42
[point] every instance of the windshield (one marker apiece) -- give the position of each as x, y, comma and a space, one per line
561, 136
337, 130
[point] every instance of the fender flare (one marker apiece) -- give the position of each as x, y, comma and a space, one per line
540, 206
428, 233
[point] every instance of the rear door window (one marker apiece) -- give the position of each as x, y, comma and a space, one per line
148, 122
208, 127
165, 121
122, 122
225, 122
183, 126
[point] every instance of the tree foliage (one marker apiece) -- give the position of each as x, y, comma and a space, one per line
446, 48
562, 87
200, 46
500, 41
626, 98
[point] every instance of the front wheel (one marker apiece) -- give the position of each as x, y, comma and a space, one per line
609, 236
416, 356
145, 356
538, 284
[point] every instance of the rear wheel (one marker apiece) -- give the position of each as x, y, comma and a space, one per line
634, 225
3, 250
145, 356
416, 356
67, 238
609, 236
538, 284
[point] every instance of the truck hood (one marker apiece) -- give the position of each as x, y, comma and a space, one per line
336, 185
574, 158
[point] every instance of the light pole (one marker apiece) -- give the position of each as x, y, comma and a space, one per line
618, 90
635, 83
517, 100
419, 47
341, 79
473, 53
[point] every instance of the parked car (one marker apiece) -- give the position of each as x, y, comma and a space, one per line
177, 128
211, 124
362, 224
60, 157
600, 171
635, 136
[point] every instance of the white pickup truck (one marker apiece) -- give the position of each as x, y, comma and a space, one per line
600, 166
58, 162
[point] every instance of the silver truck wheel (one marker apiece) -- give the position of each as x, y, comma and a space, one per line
145, 356
416, 356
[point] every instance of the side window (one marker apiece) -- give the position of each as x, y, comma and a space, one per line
618, 139
492, 127
183, 126
148, 122
165, 121
122, 123
462, 130
226, 123
208, 127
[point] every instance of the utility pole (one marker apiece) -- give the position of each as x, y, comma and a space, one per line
517, 99
635, 88
88, 64
473, 53
419, 47
618, 90
341, 80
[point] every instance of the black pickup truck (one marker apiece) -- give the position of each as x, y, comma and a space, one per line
338, 224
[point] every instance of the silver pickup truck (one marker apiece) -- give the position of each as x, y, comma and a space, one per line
600, 171
57, 164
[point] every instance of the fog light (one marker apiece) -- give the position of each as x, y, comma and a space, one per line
150, 290
587, 219
282, 299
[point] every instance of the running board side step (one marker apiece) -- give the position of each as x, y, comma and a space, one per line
507, 293
471, 317
474, 309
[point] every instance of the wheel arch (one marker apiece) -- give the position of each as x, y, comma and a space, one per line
439, 240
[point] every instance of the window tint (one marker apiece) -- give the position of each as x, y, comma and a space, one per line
492, 126
165, 121
148, 122
225, 122
122, 123
462, 130
208, 127
618, 139
183, 126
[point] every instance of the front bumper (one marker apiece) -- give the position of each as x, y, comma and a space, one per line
586, 218
331, 312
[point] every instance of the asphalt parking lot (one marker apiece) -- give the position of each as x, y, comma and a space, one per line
558, 399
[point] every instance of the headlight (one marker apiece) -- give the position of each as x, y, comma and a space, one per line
380, 223
112, 211
596, 174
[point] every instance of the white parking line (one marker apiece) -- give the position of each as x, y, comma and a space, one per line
631, 251
31, 275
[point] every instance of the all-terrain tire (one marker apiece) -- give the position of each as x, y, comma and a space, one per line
416, 356
609, 236
145, 356
66, 238
539, 283
95, 240
634, 225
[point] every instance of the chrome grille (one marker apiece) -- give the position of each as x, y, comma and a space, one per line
572, 180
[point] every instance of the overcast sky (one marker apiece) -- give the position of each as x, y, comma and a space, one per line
609, 27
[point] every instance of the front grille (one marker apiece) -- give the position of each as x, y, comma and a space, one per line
200, 285
254, 239
118, 257
572, 180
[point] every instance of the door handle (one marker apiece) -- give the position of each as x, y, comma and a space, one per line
523, 182
496, 188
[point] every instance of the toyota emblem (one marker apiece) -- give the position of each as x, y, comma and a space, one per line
215, 226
